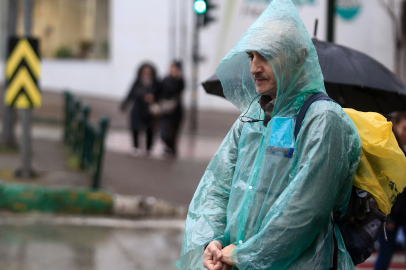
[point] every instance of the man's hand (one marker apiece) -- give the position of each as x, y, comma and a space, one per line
212, 256
227, 251
226, 267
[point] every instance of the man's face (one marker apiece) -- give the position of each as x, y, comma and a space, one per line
262, 74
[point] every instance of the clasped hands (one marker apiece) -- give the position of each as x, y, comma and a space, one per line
216, 257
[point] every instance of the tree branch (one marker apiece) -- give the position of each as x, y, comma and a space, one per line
394, 18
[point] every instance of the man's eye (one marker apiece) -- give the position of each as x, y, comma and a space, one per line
250, 56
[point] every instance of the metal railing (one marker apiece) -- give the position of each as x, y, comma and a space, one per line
85, 138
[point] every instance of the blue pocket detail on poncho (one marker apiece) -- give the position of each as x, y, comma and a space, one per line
282, 139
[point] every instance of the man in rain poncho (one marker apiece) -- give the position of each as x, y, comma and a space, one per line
265, 199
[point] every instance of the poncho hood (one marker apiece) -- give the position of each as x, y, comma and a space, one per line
281, 37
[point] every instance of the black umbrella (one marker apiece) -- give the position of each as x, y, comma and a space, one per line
357, 81
353, 79
213, 86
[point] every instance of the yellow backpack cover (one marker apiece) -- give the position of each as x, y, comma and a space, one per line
382, 169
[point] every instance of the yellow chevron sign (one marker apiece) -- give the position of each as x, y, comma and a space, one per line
23, 69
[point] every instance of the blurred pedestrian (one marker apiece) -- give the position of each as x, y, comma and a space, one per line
143, 93
171, 108
397, 217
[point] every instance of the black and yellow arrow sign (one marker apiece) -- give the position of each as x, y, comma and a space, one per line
23, 69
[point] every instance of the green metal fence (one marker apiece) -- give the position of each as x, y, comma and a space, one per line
85, 138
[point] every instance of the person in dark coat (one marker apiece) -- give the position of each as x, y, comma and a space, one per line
172, 109
397, 217
143, 93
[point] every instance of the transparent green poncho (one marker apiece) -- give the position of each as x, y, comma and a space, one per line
276, 207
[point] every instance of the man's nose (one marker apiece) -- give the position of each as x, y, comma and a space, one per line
255, 67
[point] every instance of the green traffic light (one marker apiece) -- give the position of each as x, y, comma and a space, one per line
200, 6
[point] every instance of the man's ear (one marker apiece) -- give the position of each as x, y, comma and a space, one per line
303, 52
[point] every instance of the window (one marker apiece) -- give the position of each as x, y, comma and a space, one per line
69, 28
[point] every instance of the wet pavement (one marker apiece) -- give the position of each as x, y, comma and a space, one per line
95, 244
38, 242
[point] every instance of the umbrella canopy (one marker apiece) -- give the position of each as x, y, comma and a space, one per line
213, 86
357, 81
352, 78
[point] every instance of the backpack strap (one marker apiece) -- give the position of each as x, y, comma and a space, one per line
305, 107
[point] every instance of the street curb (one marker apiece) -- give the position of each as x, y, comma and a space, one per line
30, 198
124, 205
85, 221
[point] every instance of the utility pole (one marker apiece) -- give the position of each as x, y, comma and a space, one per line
331, 20
26, 140
195, 74
9, 113
183, 30
203, 17
173, 9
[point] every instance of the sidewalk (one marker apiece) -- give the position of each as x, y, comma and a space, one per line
171, 180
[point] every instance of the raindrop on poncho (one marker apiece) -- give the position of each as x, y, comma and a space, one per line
275, 205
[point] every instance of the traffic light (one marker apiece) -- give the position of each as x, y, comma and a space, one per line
207, 15
200, 6
203, 10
